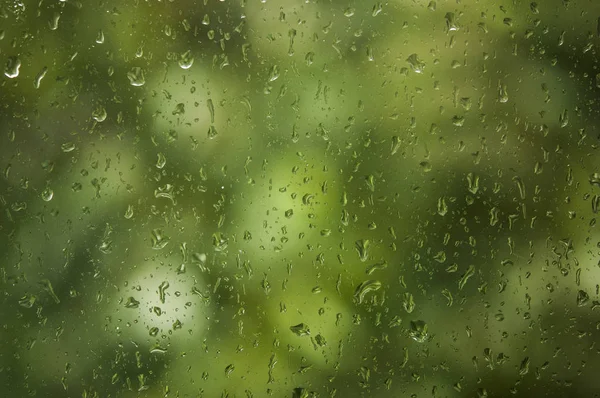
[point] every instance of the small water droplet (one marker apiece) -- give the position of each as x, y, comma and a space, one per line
418, 331
162, 291
161, 161
582, 298
132, 303
274, 73
362, 247
53, 23
300, 329
212, 132
67, 147
129, 212
563, 118
502, 93
415, 63
179, 109
211, 110
47, 195
99, 114
451, 22
27, 300
442, 207
38, 78
11, 69
158, 350
100, 37
159, 240
408, 302
186, 60
136, 77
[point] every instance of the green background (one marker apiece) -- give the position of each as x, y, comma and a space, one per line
249, 198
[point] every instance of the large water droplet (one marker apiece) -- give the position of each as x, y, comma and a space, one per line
364, 288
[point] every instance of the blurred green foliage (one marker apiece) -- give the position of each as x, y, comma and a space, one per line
251, 198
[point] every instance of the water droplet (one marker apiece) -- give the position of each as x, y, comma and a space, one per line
158, 350
376, 267
348, 12
418, 331
395, 144
27, 300
524, 368
67, 147
47, 286
408, 302
38, 78
136, 77
274, 73
47, 195
159, 240
426, 166
320, 340
502, 93
473, 181
364, 288
520, 186
415, 63
377, 9
370, 181
179, 109
11, 69
463, 281
442, 207
458, 121
211, 110
451, 22
162, 291
99, 114
100, 37
53, 23
161, 161
129, 212
563, 118
582, 298
186, 60
300, 329
310, 56
362, 247
212, 132
132, 303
